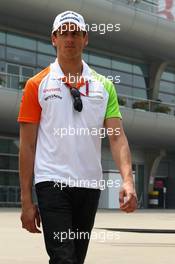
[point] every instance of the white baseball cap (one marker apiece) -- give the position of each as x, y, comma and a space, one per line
69, 17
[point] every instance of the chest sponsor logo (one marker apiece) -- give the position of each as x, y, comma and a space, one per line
48, 90
52, 97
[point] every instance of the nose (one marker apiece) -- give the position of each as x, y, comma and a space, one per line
69, 35
69, 38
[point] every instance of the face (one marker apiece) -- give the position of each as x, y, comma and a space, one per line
69, 41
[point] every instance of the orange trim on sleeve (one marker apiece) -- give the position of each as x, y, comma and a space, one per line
30, 109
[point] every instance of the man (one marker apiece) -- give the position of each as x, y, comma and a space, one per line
66, 165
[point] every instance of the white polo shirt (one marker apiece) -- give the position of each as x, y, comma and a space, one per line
68, 146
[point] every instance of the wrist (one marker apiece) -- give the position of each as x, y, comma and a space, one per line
129, 180
27, 205
26, 199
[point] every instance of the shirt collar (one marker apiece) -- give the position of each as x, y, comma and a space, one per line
57, 73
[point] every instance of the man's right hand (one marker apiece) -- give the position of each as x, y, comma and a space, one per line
30, 218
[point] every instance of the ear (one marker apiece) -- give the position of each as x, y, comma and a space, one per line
53, 38
86, 40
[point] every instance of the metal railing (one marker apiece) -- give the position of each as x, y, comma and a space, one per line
10, 196
12, 81
148, 6
146, 105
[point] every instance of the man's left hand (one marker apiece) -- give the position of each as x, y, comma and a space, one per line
128, 192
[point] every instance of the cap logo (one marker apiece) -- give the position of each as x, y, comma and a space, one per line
69, 17
65, 14
65, 18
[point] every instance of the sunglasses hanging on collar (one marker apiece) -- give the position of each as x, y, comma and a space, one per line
78, 104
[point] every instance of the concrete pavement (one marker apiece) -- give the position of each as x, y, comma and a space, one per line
17, 246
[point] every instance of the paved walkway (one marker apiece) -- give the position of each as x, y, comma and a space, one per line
107, 247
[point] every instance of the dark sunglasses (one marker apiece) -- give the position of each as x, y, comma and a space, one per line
78, 105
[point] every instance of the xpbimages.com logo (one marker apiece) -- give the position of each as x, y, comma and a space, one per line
82, 131
101, 28
97, 184
115, 79
100, 236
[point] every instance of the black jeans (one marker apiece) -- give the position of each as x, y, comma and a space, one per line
67, 217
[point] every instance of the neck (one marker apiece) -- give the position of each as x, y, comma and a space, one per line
71, 66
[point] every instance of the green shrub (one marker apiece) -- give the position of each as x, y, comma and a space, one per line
22, 84
141, 105
2, 82
121, 101
162, 109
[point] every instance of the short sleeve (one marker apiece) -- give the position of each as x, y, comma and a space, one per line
112, 109
30, 109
